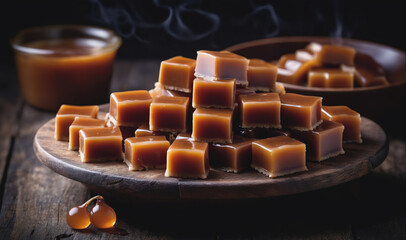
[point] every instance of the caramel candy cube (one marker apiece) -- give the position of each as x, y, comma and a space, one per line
324, 142
126, 131
130, 108
65, 116
234, 157
217, 94
146, 152
335, 54
169, 114
278, 156
294, 71
177, 73
261, 75
212, 125
212, 65
330, 78
260, 110
348, 117
80, 123
100, 144
300, 112
187, 159
368, 72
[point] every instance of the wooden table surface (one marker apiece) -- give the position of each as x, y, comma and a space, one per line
34, 200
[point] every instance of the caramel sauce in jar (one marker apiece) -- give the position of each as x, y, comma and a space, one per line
65, 64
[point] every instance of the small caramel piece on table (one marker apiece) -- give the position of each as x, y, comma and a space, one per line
65, 116
177, 73
187, 159
261, 75
130, 108
213, 65
348, 117
325, 141
212, 125
300, 112
260, 110
80, 123
216, 94
169, 114
330, 78
100, 144
233, 157
146, 152
294, 71
336, 54
278, 156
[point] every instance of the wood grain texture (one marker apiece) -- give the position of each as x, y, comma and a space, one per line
358, 160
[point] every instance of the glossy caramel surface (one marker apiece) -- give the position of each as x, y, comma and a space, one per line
260, 110
368, 72
177, 73
100, 144
330, 78
90, 111
79, 123
348, 117
213, 65
336, 54
261, 75
187, 159
169, 114
147, 152
130, 108
323, 142
213, 125
218, 94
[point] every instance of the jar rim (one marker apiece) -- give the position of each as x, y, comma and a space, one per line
110, 38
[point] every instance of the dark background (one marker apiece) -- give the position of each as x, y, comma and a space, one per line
164, 28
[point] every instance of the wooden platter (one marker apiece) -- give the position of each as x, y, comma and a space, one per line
114, 177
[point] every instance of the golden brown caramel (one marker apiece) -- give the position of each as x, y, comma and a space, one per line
330, 78
217, 94
102, 215
346, 116
49, 80
279, 88
177, 73
260, 110
336, 54
146, 152
212, 65
368, 72
293, 71
130, 108
278, 156
169, 114
300, 112
324, 142
80, 123
212, 125
187, 159
66, 115
78, 217
100, 144
234, 157
261, 75
160, 90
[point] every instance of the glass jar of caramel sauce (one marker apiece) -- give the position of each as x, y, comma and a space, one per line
65, 64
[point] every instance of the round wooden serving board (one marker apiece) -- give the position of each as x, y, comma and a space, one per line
115, 178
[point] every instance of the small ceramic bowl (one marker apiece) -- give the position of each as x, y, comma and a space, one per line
375, 102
